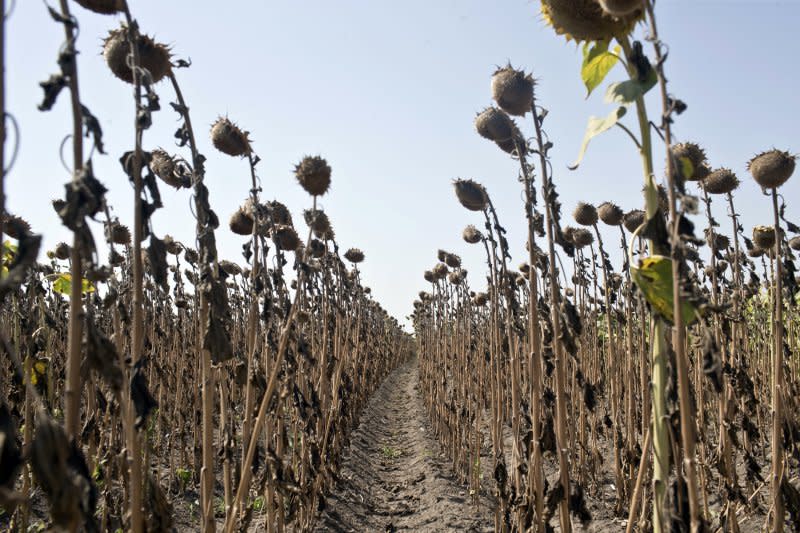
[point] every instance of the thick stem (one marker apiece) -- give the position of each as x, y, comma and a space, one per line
560, 356
72, 400
679, 328
777, 380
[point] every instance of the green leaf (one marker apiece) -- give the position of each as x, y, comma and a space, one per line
653, 276
63, 284
687, 168
595, 127
597, 63
626, 92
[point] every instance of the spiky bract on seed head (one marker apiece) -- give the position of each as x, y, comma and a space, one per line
471, 194
772, 169
153, 56
314, 175
512, 90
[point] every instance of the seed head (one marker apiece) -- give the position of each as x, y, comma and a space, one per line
717, 241
720, 181
103, 7
319, 223
230, 268
173, 247
163, 166
285, 238
581, 237
429, 277
62, 251
314, 175
633, 219
471, 194
584, 20
191, 255
354, 255
241, 222
513, 90
316, 248
480, 299
772, 169
794, 243
764, 237
610, 213
513, 145
15, 227
452, 260
471, 234
229, 139
585, 214
691, 153
495, 125
279, 213
153, 56
440, 270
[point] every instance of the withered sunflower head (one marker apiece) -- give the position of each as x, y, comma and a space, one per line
229, 139
764, 237
512, 90
720, 181
471, 194
585, 20
633, 219
585, 214
610, 213
153, 56
103, 7
15, 227
772, 169
285, 238
241, 222
314, 175
494, 124
689, 160
279, 213
354, 255
471, 234
452, 260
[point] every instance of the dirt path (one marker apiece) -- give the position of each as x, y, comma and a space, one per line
394, 477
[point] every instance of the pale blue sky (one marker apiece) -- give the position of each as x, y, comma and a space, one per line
387, 92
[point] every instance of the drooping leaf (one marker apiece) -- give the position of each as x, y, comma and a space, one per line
597, 63
627, 92
653, 277
595, 127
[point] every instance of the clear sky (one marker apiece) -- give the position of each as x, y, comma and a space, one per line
387, 92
